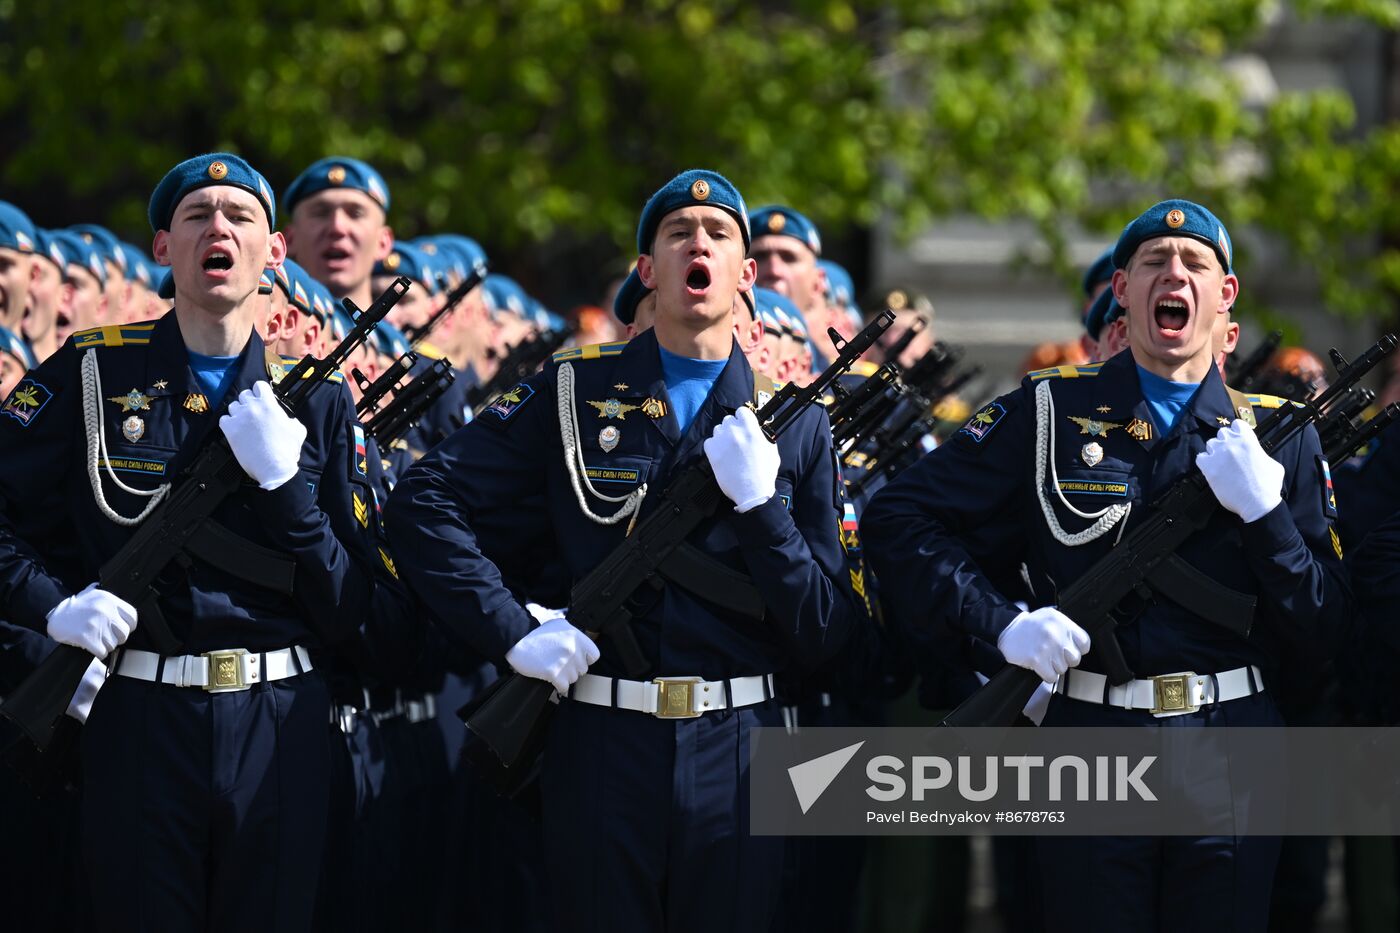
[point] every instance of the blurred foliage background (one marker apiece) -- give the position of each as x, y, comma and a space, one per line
540, 126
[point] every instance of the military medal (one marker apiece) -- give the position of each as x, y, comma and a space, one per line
1091, 453
608, 438
612, 408
133, 429
654, 408
196, 403
1094, 428
1245, 412
1139, 430
135, 400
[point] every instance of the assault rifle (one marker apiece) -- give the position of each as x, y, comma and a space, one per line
893, 446
396, 419
416, 335
1243, 373
1146, 557
180, 527
512, 718
372, 394
521, 361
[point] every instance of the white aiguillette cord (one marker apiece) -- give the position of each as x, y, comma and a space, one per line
97, 449
573, 459
1105, 519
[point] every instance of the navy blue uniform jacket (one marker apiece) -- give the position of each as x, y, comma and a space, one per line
53, 538
973, 502
495, 499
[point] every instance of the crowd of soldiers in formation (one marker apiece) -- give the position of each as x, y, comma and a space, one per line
435, 849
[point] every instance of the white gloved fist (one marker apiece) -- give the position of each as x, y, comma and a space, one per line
265, 439
94, 620
93, 679
745, 461
555, 652
1246, 480
1044, 640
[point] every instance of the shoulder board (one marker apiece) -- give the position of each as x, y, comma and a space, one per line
430, 351
1065, 372
593, 351
1271, 401
291, 361
863, 368
114, 335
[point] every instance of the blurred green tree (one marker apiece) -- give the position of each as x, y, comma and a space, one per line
516, 121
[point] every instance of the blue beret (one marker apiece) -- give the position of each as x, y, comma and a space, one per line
214, 168
48, 246
137, 265
17, 231
629, 295
461, 254
265, 282
167, 285
321, 303
504, 295
80, 253
1101, 270
104, 241
776, 310
840, 287
10, 342
694, 187
409, 260
776, 220
1104, 310
337, 172
1175, 218
389, 340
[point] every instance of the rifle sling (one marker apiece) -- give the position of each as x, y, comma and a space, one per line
696, 572
252, 563
1200, 594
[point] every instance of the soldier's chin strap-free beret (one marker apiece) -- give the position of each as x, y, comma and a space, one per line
629, 295
777, 220
1175, 218
696, 187
337, 172
204, 171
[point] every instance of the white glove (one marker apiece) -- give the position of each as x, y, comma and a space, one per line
94, 620
745, 461
265, 439
1044, 640
81, 704
555, 652
1246, 480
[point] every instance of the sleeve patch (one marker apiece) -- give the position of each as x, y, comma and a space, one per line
980, 425
26, 401
509, 402
1329, 495
359, 456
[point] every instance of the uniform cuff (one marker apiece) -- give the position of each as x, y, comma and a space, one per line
31, 606
764, 525
1275, 533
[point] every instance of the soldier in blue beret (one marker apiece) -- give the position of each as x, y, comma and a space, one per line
1113, 437
15, 360
787, 246
340, 225
655, 793
18, 245
45, 296
1105, 329
634, 304
83, 302
846, 316
206, 700
418, 304
1097, 279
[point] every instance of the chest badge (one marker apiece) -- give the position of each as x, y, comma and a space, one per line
1094, 428
608, 438
621, 387
160, 385
133, 429
196, 403
654, 408
1222, 421
135, 400
1091, 453
1103, 409
612, 408
1139, 430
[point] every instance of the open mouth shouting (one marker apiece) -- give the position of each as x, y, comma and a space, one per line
1171, 315
217, 262
335, 258
697, 279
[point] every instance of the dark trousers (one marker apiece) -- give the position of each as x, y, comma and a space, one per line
205, 812
1168, 883
646, 822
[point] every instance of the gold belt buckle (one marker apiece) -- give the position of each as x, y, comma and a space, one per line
225, 671
1171, 693
675, 698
